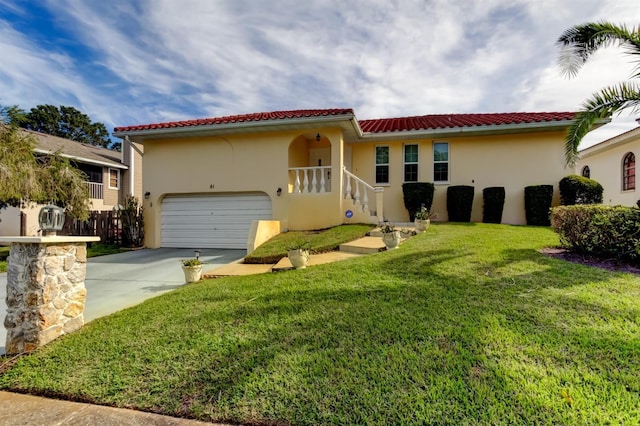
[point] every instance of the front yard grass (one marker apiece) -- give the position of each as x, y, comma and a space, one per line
466, 324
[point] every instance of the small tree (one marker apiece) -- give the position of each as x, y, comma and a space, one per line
132, 224
25, 178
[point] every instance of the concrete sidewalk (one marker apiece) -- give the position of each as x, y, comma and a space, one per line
23, 410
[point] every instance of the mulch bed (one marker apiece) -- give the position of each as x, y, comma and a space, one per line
615, 265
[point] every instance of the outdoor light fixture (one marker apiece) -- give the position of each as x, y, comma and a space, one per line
51, 219
146, 195
279, 192
197, 253
318, 137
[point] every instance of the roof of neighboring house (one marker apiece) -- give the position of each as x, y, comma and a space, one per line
378, 129
623, 138
48, 144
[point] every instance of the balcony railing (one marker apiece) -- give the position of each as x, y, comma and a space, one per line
96, 190
310, 179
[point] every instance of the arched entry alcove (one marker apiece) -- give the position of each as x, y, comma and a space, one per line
310, 164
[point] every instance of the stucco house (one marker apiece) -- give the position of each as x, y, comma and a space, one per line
613, 164
206, 181
111, 176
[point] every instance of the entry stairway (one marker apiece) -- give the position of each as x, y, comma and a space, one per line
362, 246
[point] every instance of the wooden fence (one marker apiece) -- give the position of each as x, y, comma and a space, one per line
104, 224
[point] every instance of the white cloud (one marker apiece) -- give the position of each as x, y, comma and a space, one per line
163, 60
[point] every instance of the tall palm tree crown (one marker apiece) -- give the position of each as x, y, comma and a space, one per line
577, 44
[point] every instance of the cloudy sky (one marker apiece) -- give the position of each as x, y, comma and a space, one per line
126, 62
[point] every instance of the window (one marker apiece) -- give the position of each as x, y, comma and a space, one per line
586, 172
114, 179
629, 172
411, 163
382, 164
441, 162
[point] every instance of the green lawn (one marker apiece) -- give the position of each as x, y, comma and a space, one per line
466, 324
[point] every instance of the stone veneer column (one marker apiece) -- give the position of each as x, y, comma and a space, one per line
45, 289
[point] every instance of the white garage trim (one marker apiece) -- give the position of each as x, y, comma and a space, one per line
212, 220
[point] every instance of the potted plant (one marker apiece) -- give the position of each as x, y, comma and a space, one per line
423, 219
390, 235
298, 254
192, 269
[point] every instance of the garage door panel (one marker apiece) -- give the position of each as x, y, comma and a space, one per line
211, 221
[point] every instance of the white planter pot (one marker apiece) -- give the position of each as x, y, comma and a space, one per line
299, 258
421, 225
391, 240
192, 274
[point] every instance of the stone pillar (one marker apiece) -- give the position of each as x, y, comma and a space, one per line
45, 289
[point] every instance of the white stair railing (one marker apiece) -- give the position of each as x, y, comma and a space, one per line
360, 191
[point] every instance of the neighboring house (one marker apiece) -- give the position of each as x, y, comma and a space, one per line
613, 164
206, 180
111, 176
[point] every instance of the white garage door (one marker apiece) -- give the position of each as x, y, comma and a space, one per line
211, 221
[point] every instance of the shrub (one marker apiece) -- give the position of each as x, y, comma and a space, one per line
417, 194
603, 231
537, 202
493, 204
576, 189
459, 203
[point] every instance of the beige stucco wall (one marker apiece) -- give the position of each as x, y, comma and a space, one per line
605, 164
261, 162
239, 163
512, 161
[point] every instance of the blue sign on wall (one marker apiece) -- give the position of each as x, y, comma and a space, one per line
348, 214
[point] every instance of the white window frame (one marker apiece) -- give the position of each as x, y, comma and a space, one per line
407, 163
447, 162
387, 164
117, 178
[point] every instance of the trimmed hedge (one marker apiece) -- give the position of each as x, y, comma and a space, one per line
459, 203
537, 202
493, 204
576, 189
417, 194
603, 231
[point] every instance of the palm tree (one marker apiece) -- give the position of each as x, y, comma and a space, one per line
577, 44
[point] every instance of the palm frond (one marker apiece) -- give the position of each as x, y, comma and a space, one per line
578, 43
602, 104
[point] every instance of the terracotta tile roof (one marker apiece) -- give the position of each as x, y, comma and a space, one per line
260, 116
76, 150
442, 121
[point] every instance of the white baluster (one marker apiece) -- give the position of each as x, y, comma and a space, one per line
297, 185
356, 198
365, 201
347, 186
314, 181
322, 181
306, 181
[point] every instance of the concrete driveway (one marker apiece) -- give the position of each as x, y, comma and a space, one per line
118, 281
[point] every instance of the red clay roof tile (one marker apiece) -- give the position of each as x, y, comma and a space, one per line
260, 116
382, 125
443, 121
